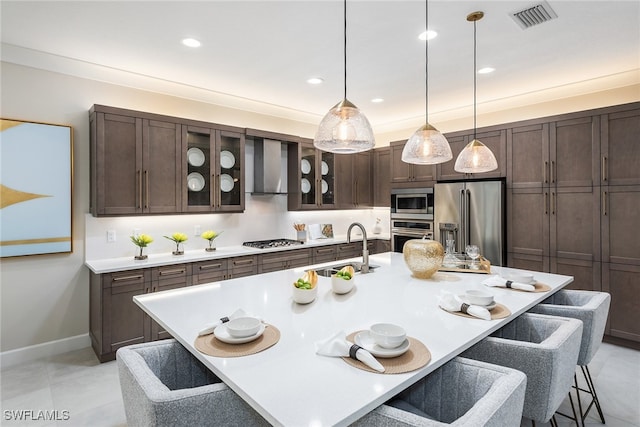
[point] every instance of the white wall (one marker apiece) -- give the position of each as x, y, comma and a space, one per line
45, 298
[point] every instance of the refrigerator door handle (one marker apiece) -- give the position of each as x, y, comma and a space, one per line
463, 221
467, 217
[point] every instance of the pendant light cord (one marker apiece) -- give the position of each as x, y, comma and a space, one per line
474, 79
426, 62
345, 49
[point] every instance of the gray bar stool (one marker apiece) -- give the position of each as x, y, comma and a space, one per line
546, 349
592, 308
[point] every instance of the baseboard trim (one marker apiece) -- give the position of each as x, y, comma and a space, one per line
30, 353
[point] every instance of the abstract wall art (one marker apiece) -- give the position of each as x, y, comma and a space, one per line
36, 175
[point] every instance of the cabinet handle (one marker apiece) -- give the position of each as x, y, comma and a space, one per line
604, 169
214, 190
139, 179
208, 266
146, 192
324, 250
355, 193
218, 190
546, 210
243, 262
545, 172
171, 272
553, 171
604, 203
553, 203
120, 279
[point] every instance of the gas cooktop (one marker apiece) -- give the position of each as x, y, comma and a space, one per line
274, 243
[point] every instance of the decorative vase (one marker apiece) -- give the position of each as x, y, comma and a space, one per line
178, 251
140, 256
377, 229
423, 257
212, 246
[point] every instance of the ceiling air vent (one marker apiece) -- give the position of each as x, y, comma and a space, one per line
534, 15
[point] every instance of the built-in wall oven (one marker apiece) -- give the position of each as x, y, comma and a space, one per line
411, 215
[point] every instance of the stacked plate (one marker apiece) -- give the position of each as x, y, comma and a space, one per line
365, 340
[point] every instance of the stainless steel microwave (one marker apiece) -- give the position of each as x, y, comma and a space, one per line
415, 203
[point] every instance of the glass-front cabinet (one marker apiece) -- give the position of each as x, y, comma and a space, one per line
213, 165
311, 178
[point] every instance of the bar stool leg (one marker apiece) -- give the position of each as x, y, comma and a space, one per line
592, 391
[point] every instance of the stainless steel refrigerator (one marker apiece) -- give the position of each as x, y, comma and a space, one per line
472, 213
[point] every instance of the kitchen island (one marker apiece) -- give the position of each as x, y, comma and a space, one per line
288, 383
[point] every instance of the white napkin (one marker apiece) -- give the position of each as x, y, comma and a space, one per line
208, 329
451, 302
501, 282
338, 346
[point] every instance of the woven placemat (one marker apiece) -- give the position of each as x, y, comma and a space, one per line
416, 357
540, 287
499, 312
210, 345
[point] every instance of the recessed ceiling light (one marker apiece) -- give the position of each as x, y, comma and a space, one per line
427, 35
377, 100
191, 42
486, 70
315, 80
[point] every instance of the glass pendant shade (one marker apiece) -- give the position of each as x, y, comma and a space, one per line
343, 130
475, 158
427, 146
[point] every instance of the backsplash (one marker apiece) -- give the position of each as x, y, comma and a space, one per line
265, 217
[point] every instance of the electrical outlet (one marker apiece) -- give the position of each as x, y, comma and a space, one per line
111, 236
197, 230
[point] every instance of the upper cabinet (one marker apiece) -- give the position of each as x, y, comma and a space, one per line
144, 163
213, 170
620, 151
406, 174
495, 140
382, 177
354, 188
311, 177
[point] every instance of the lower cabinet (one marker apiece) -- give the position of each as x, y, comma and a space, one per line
276, 261
622, 281
163, 279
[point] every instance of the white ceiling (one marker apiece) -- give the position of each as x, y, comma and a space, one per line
257, 55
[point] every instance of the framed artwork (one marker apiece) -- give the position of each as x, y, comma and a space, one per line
36, 176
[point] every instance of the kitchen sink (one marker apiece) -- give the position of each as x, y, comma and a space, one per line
333, 269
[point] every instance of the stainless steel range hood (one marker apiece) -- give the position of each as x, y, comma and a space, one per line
267, 167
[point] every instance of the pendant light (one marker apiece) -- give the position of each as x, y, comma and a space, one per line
344, 129
427, 146
475, 157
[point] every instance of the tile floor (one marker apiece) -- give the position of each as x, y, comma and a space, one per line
76, 382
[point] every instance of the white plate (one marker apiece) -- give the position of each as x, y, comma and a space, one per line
227, 160
364, 340
226, 183
195, 156
532, 282
222, 334
305, 166
195, 181
325, 186
488, 307
325, 168
305, 185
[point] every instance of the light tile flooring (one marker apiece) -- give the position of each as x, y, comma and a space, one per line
76, 382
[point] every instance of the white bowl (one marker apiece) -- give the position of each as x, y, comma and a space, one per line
525, 278
340, 285
243, 327
388, 335
304, 296
476, 297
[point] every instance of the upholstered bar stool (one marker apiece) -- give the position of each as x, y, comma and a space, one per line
164, 385
546, 349
463, 392
592, 308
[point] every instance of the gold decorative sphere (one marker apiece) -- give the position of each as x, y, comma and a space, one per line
423, 257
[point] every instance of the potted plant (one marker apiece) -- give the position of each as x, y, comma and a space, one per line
178, 238
141, 241
210, 235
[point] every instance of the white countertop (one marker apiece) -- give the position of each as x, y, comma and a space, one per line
110, 265
288, 383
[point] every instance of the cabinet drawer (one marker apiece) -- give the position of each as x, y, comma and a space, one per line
209, 271
137, 278
283, 260
349, 250
324, 254
243, 266
171, 275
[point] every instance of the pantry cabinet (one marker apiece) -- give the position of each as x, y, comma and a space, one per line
354, 181
382, 177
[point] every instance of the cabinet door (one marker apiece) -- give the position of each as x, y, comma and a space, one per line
242, 266
623, 283
620, 241
230, 172
445, 171
161, 166
528, 210
116, 160
209, 271
586, 274
307, 182
198, 169
496, 141
574, 152
400, 171
620, 148
345, 181
528, 156
423, 173
283, 260
324, 254
349, 250
363, 196
327, 181
382, 246
382, 177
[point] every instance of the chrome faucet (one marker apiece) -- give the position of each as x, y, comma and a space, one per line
365, 251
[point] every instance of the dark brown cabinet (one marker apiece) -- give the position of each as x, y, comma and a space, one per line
163, 279
406, 174
311, 177
283, 260
224, 269
322, 254
620, 151
382, 177
622, 282
354, 181
495, 140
